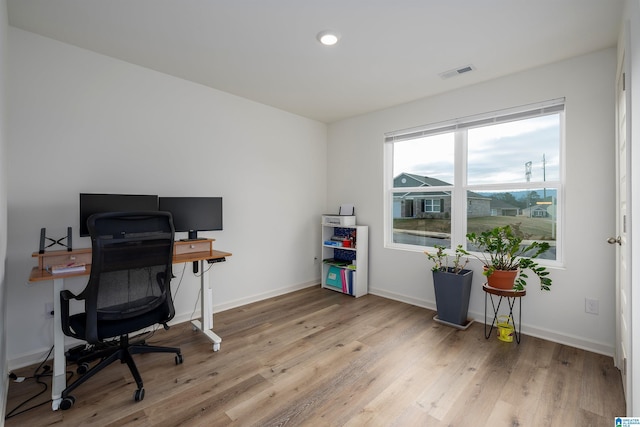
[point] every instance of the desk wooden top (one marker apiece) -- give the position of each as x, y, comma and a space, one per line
199, 256
40, 275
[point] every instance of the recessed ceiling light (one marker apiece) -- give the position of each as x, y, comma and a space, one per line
328, 37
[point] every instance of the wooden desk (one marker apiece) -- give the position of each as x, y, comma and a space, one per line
183, 252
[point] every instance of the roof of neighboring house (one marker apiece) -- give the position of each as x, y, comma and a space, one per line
425, 181
536, 208
501, 204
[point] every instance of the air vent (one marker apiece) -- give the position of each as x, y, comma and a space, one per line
457, 71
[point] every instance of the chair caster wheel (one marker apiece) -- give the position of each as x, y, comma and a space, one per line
179, 359
138, 395
82, 369
67, 403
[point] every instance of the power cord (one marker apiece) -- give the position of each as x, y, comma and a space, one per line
175, 294
203, 271
37, 376
195, 306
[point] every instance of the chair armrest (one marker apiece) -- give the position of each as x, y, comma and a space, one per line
165, 284
65, 297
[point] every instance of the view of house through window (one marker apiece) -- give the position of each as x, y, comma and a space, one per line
474, 174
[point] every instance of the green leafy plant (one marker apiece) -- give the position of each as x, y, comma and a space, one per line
502, 249
441, 259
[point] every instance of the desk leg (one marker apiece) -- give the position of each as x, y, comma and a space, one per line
59, 379
205, 324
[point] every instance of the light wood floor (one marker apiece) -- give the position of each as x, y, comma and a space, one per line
316, 357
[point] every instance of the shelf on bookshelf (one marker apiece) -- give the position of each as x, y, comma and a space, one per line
339, 247
344, 268
340, 263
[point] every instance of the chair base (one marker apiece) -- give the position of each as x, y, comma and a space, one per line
124, 353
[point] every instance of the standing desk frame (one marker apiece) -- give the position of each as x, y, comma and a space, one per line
40, 274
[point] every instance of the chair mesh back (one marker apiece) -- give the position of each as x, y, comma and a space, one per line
131, 263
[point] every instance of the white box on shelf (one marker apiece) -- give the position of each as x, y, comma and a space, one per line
339, 220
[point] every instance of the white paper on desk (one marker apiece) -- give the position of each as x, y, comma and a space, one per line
347, 209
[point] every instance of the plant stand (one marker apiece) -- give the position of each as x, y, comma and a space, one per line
511, 296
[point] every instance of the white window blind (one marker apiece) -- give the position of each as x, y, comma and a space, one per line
501, 116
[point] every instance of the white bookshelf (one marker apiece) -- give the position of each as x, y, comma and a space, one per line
345, 265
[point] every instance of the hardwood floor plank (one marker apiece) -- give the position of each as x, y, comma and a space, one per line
377, 375
298, 389
393, 402
317, 357
559, 403
527, 380
504, 414
207, 406
600, 374
458, 373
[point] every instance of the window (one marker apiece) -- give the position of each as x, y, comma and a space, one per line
431, 205
475, 173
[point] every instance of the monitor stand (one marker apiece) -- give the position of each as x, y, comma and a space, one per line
193, 237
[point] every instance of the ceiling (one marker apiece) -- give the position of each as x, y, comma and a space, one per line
390, 52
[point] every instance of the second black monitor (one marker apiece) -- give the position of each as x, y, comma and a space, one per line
193, 214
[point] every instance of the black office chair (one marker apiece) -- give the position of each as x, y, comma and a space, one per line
128, 291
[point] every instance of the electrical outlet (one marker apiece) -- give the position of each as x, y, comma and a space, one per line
591, 305
48, 310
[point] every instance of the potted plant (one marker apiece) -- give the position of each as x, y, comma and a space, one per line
504, 254
452, 285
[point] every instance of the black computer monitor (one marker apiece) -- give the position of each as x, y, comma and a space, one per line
193, 214
91, 203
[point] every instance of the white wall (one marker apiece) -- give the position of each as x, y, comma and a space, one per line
83, 122
355, 174
3, 210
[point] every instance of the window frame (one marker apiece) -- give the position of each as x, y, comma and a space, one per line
460, 187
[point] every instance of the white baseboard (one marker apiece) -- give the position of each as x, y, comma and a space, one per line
553, 336
259, 297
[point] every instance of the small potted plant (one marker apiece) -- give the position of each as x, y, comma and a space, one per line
503, 254
452, 285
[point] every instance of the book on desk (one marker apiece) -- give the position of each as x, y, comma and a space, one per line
72, 267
